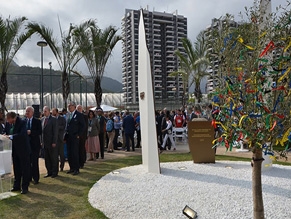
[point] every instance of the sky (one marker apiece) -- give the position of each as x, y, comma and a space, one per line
109, 12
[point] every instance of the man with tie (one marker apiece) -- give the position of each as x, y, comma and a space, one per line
15, 130
82, 139
49, 140
34, 131
61, 131
75, 128
102, 124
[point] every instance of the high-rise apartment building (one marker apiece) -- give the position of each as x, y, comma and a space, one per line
164, 32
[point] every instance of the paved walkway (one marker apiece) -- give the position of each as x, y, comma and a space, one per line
181, 148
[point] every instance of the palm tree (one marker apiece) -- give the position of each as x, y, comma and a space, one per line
11, 41
66, 52
193, 64
96, 46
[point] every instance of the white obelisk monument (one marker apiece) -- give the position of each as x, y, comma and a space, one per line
150, 154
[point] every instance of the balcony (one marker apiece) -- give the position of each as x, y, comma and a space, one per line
157, 47
159, 81
157, 66
158, 76
169, 67
170, 37
171, 84
156, 34
157, 40
170, 61
158, 85
157, 63
169, 32
181, 28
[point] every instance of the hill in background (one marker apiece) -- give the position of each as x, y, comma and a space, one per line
26, 79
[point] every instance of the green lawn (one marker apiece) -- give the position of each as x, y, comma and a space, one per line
67, 196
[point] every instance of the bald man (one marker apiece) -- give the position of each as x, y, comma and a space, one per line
49, 140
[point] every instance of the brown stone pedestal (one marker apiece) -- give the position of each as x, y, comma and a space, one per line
200, 137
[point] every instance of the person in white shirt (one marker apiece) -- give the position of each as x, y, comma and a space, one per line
168, 131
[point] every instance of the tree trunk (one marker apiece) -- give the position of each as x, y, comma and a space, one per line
3, 90
66, 87
98, 91
197, 92
183, 99
258, 206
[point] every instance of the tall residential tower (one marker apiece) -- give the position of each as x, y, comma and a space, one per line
164, 32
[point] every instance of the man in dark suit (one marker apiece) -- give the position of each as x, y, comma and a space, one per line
34, 131
102, 124
2, 121
49, 140
15, 130
61, 131
75, 128
129, 128
82, 139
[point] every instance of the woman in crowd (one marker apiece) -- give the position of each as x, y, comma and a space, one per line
110, 131
92, 142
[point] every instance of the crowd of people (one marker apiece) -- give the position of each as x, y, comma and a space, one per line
78, 136
167, 120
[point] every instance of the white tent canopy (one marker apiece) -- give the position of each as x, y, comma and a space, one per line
105, 108
18, 101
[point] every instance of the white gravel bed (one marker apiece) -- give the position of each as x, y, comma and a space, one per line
220, 190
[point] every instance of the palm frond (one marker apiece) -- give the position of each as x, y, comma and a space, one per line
47, 35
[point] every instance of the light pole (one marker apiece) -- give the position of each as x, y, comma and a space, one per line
41, 44
51, 86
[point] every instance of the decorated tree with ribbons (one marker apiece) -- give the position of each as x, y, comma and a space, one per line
252, 101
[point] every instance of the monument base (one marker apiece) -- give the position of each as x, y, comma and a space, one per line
200, 137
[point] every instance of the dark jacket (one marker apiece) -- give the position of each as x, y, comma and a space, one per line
128, 125
76, 126
50, 132
61, 127
84, 135
20, 144
102, 123
35, 135
95, 128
